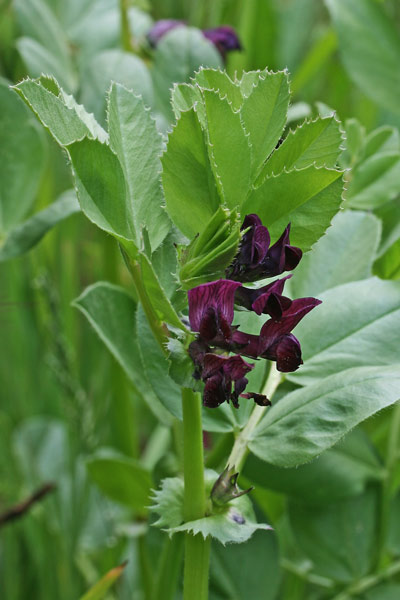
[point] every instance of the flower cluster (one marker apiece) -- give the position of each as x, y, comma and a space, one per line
224, 37
211, 312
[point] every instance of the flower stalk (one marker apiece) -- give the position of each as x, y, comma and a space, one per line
240, 450
197, 550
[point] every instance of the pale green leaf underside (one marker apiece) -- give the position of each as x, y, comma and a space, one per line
357, 324
374, 181
138, 146
235, 524
344, 254
308, 199
312, 419
23, 237
111, 311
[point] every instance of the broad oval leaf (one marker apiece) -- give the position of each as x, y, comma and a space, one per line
312, 419
357, 324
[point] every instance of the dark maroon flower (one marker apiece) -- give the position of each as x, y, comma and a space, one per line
211, 309
275, 341
256, 260
160, 28
219, 374
259, 399
224, 38
266, 300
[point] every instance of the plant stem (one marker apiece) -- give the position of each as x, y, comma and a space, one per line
386, 496
240, 450
169, 568
368, 582
125, 31
197, 550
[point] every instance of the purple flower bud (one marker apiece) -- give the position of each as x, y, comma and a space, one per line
218, 373
225, 488
211, 309
160, 28
256, 260
224, 38
266, 300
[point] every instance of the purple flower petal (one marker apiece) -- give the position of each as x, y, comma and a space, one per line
211, 308
281, 256
160, 28
224, 38
272, 330
287, 353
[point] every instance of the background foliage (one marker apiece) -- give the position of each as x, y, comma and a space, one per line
71, 415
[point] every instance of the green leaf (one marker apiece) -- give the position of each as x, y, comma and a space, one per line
339, 539
156, 368
374, 181
219, 81
66, 120
158, 297
120, 478
23, 237
387, 266
230, 153
342, 471
264, 113
356, 325
177, 56
344, 254
100, 589
308, 199
361, 26
44, 47
101, 190
315, 143
190, 191
138, 145
112, 313
234, 523
312, 419
118, 66
183, 97
21, 159
233, 568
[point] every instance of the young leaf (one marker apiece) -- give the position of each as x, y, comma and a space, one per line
101, 189
234, 523
230, 153
21, 159
219, 81
120, 478
308, 199
138, 146
190, 191
344, 254
374, 66
112, 313
66, 120
315, 143
23, 237
264, 115
357, 324
312, 419
100, 589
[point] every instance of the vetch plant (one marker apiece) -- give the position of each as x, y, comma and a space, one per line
203, 219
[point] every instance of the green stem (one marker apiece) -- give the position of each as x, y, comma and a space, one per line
125, 31
368, 582
145, 568
391, 463
169, 568
197, 550
240, 450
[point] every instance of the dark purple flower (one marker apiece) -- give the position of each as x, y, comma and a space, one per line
160, 28
219, 373
224, 38
266, 300
256, 260
275, 341
211, 309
